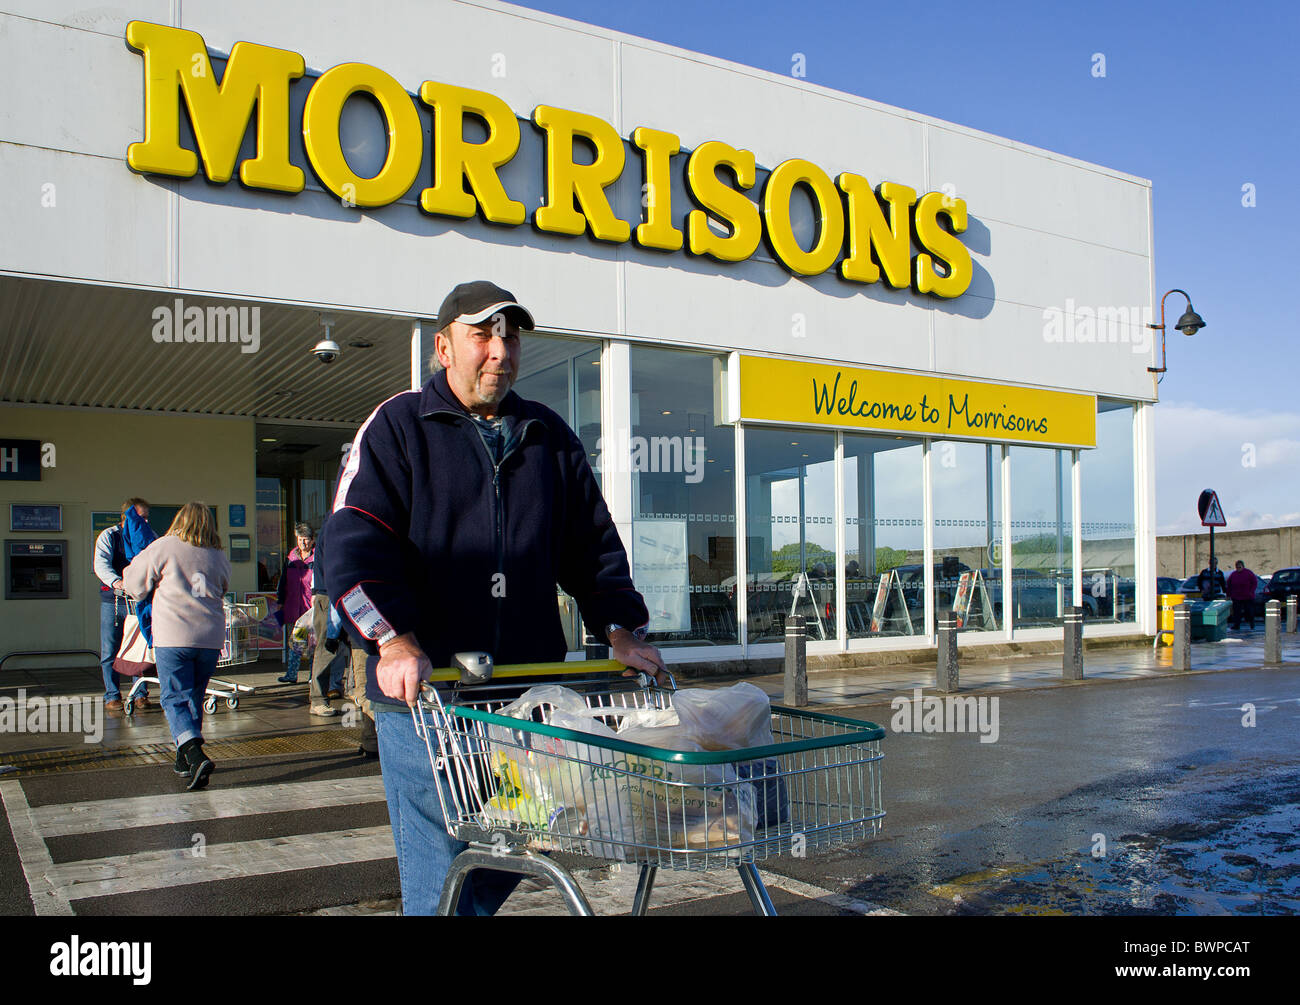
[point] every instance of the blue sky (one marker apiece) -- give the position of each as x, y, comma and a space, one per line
1197, 97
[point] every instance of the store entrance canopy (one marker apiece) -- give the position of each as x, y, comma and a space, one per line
78, 344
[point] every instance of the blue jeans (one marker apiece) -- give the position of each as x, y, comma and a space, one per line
112, 616
183, 676
424, 848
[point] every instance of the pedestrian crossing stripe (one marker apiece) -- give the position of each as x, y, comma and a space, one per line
57, 886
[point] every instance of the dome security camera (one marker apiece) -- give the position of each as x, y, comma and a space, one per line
327, 351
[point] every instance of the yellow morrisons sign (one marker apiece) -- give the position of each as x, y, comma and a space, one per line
870, 233
785, 391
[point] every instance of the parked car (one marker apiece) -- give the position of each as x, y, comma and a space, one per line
1168, 584
947, 574
1038, 595
1282, 584
1261, 596
1192, 588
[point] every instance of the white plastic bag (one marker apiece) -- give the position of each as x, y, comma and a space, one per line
728, 718
542, 781
681, 806
657, 727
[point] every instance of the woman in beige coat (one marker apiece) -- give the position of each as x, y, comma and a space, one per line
188, 573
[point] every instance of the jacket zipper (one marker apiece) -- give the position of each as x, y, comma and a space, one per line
508, 447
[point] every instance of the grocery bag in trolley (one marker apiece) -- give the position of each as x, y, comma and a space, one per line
545, 781
637, 793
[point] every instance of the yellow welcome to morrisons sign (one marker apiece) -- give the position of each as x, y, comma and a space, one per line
823, 394
870, 233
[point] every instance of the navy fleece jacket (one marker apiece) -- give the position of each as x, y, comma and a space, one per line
428, 535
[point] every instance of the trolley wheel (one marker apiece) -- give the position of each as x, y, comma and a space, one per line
210, 705
232, 703
128, 707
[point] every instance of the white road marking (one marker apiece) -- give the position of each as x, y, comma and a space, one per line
839, 900
158, 870
103, 815
33, 856
610, 889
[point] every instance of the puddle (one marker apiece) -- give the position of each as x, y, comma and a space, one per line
1244, 865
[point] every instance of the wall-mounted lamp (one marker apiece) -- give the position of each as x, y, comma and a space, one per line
1189, 324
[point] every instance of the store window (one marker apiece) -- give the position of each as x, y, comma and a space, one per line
790, 523
967, 511
1108, 531
884, 537
564, 375
1042, 536
682, 466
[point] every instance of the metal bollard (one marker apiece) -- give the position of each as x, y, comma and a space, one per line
1182, 638
796, 661
1072, 655
946, 678
1272, 632
1290, 613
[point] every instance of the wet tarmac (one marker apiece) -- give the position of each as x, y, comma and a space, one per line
1164, 797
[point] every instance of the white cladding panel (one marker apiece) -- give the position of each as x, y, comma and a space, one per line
1045, 231
774, 118
760, 307
105, 224
1031, 188
395, 259
512, 53
69, 89
108, 19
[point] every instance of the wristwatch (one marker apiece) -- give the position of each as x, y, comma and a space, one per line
637, 633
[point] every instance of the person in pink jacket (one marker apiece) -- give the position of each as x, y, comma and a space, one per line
295, 593
1241, 591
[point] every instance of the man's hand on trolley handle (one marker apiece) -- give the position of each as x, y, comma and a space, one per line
637, 656
402, 663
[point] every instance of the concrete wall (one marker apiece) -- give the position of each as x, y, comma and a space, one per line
103, 458
1263, 551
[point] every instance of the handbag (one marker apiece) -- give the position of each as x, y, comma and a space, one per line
135, 655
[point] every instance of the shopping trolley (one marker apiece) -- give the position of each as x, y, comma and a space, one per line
514, 788
240, 647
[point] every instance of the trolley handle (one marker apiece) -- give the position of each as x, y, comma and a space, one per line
522, 671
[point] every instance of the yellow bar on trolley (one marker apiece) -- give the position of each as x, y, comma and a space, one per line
516, 670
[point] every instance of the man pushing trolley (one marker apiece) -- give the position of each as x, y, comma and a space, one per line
460, 509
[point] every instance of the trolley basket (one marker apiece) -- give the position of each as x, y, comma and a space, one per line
512, 788
239, 647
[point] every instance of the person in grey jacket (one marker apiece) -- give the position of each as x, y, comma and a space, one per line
187, 572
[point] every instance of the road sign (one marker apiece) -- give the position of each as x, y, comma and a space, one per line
1210, 510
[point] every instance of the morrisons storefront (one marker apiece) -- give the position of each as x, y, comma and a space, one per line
828, 357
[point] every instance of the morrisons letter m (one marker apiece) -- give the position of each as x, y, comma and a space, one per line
176, 63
